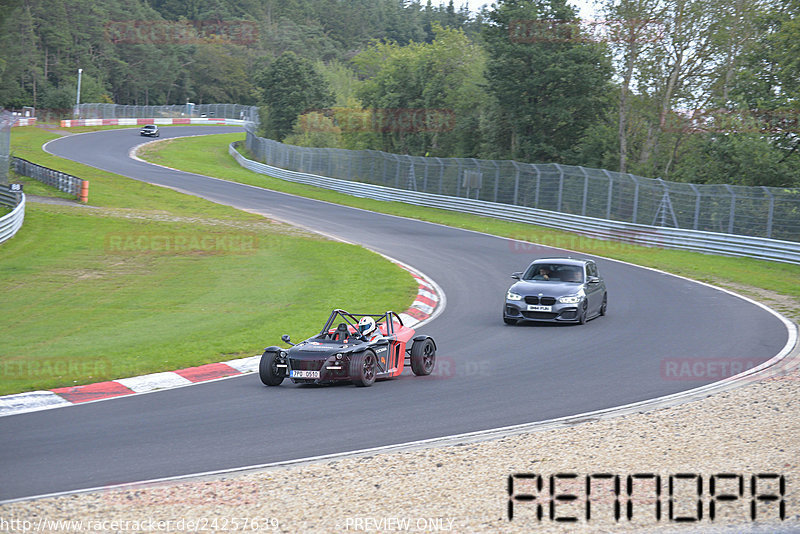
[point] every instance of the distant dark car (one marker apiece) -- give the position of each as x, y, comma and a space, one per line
150, 130
556, 290
340, 353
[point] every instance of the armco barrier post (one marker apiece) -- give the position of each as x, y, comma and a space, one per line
83, 196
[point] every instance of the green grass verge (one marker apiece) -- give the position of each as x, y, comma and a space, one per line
209, 156
146, 279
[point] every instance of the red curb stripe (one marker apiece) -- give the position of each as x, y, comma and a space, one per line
207, 372
417, 314
426, 300
90, 392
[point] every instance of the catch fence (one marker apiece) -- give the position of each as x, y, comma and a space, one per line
767, 212
188, 110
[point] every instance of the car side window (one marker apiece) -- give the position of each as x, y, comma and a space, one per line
591, 269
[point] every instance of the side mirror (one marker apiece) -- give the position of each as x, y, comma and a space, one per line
286, 339
594, 280
516, 276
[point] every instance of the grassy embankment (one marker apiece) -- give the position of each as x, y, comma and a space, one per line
146, 279
776, 284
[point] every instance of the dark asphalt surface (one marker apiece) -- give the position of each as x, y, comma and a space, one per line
489, 375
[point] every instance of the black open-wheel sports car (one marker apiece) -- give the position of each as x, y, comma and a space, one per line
340, 352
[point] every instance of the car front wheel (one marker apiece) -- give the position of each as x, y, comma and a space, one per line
268, 371
582, 312
604, 306
423, 356
363, 367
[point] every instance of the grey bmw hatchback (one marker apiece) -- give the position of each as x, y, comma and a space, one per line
556, 290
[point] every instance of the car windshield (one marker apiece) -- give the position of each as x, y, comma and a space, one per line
151, 127
554, 272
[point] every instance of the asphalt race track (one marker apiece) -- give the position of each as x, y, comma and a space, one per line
489, 375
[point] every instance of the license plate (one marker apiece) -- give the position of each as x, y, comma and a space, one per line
304, 374
535, 307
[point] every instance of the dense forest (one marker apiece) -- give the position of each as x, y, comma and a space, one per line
702, 91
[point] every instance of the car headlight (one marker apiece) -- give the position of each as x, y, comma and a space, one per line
513, 296
571, 299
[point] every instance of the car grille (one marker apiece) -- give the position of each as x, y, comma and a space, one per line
539, 315
544, 301
306, 365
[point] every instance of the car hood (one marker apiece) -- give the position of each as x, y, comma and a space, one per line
316, 350
549, 289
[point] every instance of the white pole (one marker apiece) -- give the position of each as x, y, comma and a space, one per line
78, 98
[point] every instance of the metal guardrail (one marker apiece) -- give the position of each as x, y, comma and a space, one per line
62, 181
11, 222
639, 234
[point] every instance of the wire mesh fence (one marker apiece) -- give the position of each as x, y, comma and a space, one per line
6, 121
750, 211
116, 111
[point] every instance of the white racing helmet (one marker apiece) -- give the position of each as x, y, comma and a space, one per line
366, 326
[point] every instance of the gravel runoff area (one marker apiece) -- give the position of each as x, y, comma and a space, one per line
746, 434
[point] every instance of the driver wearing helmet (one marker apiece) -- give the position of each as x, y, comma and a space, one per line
368, 330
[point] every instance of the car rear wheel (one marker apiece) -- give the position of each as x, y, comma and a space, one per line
423, 356
363, 367
268, 371
604, 305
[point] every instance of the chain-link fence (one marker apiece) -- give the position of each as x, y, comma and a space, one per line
188, 110
751, 211
6, 121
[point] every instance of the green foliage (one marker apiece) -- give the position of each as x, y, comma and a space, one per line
741, 159
315, 129
341, 79
439, 85
547, 91
291, 86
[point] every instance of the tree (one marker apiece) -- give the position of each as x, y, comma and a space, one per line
291, 86
219, 74
547, 81
426, 98
634, 34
